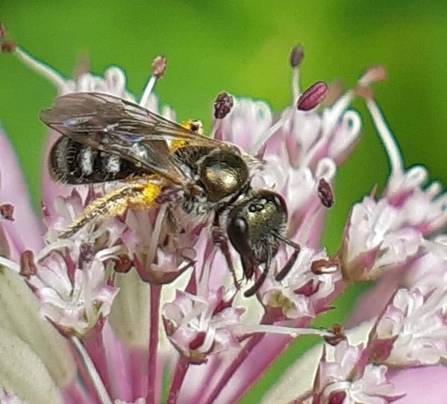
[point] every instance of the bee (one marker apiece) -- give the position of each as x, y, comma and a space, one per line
109, 139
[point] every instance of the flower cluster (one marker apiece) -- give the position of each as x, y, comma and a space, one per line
128, 311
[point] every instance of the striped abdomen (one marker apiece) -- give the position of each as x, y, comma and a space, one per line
74, 163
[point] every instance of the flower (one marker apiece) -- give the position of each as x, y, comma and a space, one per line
349, 379
129, 309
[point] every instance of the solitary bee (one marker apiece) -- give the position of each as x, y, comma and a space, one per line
110, 139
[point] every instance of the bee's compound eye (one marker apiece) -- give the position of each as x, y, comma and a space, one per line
238, 234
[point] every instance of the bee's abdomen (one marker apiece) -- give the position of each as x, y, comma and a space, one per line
73, 163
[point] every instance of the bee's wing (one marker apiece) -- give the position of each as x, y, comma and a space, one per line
120, 127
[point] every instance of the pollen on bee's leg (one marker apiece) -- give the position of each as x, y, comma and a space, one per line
176, 144
133, 196
145, 197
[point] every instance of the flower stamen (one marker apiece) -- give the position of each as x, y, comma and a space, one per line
13, 266
42, 69
91, 371
282, 330
387, 138
158, 70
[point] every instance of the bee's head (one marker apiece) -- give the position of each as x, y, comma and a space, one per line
256, 227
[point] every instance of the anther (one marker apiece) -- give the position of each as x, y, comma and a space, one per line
325, 193
159, 66
374, 74
338, 396
7, 211
123, 263
296, 56
198, 341
27, 264
322, 267
338, 335
8, 46
223, 105
312, 96
3, 32
86, 255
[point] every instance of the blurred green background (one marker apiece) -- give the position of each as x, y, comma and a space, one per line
242, 47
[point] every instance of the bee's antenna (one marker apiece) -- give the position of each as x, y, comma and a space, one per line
158, 70
287, 241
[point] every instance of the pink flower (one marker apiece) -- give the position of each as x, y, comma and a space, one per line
414, 324
125, 307
349, 379
376, 239
200, 325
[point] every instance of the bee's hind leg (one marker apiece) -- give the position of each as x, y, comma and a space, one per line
133, 196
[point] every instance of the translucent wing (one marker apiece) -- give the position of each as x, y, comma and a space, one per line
117, 126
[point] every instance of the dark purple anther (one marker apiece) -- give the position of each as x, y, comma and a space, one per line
325, 193
223, 105
296, 56
312, 96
